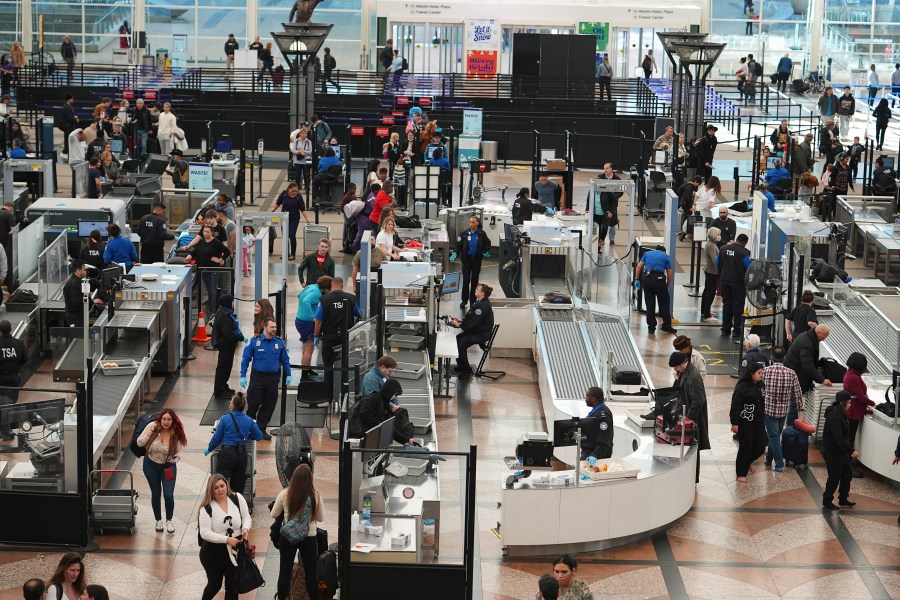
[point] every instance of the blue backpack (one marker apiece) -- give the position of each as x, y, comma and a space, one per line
139, 428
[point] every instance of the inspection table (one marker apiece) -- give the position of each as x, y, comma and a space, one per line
445, 349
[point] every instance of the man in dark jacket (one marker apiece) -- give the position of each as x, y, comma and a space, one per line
803, 357
471, 245
706, 151
226, 336
154, 232
732, 262
846, 106
686, 202
726, 225
602, 435
374, 409
838, 452
608, 209
693, 394
68, 121
141, 123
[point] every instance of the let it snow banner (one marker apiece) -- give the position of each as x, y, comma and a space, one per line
483, 37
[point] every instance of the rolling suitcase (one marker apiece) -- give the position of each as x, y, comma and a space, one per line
626, 375
673, 436
795, 446
249, 491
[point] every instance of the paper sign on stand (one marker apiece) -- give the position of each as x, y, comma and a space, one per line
201, 176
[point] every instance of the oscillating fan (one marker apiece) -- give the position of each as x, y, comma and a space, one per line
292, 448
763, 281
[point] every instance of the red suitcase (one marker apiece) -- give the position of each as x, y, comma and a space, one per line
673, 436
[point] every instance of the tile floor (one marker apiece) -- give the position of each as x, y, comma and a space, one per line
765, 539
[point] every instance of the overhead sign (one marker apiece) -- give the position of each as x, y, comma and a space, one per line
402, 100
382, 132
387, 119
357, 131
482, 45
201, 176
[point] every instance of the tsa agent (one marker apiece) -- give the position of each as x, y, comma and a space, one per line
232, 433
470, 247
653, 274
269, 355
604, 428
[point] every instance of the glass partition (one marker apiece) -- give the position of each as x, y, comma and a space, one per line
29, 244
53, 269
34, 433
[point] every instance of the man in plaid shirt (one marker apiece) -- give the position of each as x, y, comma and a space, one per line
783, 397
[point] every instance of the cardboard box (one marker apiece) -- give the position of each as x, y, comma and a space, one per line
556, 164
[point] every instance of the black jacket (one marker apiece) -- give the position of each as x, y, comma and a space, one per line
141, 120
226, 337
753, 356
686, 196
479, 319
153, 231
230, 47
803, 357
12, 356
748, 404
373, 410
731, 263
882, 114
94, 256
706, 150
523, 209
603, 434
69, 121
836, 435
481, 246
728, 227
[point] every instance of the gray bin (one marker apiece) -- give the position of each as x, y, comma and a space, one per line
489, 151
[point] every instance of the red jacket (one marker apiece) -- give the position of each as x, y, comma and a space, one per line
381, 200
859, 402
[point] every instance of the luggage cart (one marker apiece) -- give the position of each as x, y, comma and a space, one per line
311, 236
114, 508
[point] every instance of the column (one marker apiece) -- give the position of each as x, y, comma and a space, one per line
138, 23
252, 21
816, 9
27, 27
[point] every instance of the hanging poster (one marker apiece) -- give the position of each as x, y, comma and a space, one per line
483, 37
601, 33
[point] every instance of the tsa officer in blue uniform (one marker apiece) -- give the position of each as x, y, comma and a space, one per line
232, 433
269, 355
604, 432
471, 245
653, 274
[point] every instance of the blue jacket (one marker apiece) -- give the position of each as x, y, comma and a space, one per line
309, 301
774, 175
227, 435
770, 197
120, 250
373, 381
267, 356
784, 65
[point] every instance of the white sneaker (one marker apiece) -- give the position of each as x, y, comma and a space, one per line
159, 526
170, 527
710, 320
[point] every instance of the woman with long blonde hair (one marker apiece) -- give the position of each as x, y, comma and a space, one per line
385, 239
301, 502
224, 521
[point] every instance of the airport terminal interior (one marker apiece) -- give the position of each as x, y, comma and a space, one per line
536, 156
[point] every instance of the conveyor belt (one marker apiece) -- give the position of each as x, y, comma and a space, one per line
614, 338
556, 315
569, 360
109, 389
416, 397
844, 340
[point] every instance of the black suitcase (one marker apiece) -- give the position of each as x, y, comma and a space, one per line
795, 446
626, 376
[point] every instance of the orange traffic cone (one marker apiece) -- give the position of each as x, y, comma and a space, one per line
202, 337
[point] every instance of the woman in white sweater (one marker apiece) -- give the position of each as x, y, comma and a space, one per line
224, 520
385, 239
167, 127
299, 500
163, 438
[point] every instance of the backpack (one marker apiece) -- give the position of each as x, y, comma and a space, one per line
183, 175
757, 68
295, 530
403, 427
410, 222
330, 62
208, 509
646, 64
139, 428
328, 572
405, 64
832, 369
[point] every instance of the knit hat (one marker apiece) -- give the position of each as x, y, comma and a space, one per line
682, 341
227, 300
842, 397
678, 358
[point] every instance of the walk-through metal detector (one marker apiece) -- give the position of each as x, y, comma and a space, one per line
599, 186
265, 224
28, 165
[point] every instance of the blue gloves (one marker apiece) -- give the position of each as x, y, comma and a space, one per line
486, 254
246, 340
316, 342
244, 382
551, 212
592, 460
206, 452
289, 379
637, 284
453, 256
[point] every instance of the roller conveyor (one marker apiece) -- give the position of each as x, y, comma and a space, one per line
614, 338
843, 340
569, 361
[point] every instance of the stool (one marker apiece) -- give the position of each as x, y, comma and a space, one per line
486, 347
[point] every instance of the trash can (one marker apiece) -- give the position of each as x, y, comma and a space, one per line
161, 54
489, 151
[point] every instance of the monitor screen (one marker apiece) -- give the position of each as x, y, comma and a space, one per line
117, 146
770, 162
564, 431
659, 157
36, 413
888, 161
156, 164
223, 145
451, 283
337, 150
429, 151
86, 227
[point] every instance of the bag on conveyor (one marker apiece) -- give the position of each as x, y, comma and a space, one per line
622, 375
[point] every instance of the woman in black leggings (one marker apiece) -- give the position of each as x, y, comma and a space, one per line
224, 522
302, 509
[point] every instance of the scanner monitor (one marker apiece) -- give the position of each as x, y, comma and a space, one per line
451, 283
888, 161
117, 146
223, 146
659, 157
379, 437
564, 432
770, 162
429, 151
86, 227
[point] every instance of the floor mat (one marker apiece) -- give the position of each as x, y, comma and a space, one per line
308, 418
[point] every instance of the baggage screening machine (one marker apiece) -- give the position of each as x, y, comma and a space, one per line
65, 214
25, 169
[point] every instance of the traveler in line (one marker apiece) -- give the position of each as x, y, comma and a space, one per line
67, 582
301, 504
748, 420
305, 321
860, 403
710, 273
783, 399
163, 439
838, 452
224, 521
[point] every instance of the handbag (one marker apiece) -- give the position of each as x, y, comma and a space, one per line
169, 473
246, 575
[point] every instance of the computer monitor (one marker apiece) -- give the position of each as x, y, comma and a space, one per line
564, 431
337, 149
50, 411
110, 275
888, 161
223, 145
451, 283
429, 151
117, 146
660, 157
380, 436
86, 227
770, 161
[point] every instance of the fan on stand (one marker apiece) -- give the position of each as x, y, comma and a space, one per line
764, 282
292, 448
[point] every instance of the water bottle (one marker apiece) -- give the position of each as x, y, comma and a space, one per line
367, 508
354, 521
